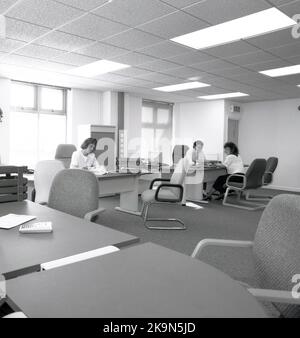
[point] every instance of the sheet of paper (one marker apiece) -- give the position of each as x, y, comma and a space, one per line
11, 221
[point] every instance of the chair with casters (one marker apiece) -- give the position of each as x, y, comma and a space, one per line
179, 152
44, 174
275, 252
241, 184
75, 192
64, 154
272, 164
169, 191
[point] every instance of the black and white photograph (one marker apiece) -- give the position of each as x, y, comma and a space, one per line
149, 163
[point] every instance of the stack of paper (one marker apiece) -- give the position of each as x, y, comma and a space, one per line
11, 221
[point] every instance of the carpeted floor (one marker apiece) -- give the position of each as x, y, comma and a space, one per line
213, 221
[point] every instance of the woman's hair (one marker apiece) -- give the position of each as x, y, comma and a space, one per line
196, 143
88, 142
234, 150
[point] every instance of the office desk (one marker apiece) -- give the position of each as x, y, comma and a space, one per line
20, 253
127, 185
145, 281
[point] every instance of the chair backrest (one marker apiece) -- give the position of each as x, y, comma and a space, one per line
255, 174
277, 247
75, 192
179, 152
64, 154
178, 176
272, 165
44, 174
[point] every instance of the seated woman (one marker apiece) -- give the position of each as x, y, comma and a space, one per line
86, 159
234, 165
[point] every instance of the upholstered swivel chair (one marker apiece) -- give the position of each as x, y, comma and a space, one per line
75, 192
252, 180
64, 154
274, 252
272, 164
44, 174
179, 152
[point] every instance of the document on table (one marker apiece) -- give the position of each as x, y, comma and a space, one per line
12, 220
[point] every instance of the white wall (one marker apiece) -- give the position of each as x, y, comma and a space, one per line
85, 108
201, 121
273, 129
109, 108
4, 126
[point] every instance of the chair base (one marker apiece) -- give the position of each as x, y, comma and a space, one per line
144, 215
245, 206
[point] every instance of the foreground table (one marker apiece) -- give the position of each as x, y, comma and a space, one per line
20, 253
145, 281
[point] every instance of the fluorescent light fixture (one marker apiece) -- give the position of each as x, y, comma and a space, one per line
259, 23
222, 96
182, 86
97, 68
284, 71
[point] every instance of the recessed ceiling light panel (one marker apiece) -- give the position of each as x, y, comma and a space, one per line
97, 68
284, 71
222, 96
182, 86
263, 22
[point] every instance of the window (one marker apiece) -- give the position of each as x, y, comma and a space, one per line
156, 138
37, 123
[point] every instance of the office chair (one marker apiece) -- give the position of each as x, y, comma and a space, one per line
275, 253
64, 154
168, 192
251, 181
179, 152
272, 164
75, 192
44, 174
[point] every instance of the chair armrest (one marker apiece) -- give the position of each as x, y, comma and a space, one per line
220, 242
175, 186
91, 215
158, 180
237, 175
275, 296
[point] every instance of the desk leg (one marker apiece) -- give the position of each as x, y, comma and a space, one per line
129, 201
194, 193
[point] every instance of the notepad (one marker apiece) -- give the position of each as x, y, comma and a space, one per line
12, 220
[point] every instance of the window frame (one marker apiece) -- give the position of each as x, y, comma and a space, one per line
38, 100
38, 111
